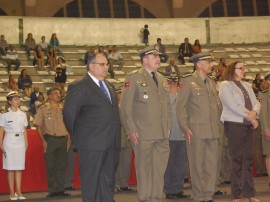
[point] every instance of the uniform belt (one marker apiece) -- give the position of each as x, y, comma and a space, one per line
60, 136
15, 134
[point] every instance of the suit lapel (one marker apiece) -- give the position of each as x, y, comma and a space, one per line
199, 81
96, 88
149, 79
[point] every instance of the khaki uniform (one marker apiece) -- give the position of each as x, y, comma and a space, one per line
199, 109
145, 109
55, 134
265, 119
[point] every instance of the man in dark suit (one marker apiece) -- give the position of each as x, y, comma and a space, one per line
92, 118
172, 68
185, 50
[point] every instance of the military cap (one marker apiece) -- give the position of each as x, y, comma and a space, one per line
153, 50
267, 76
202, 56
119, 89
172, 77
12, 94
52, 89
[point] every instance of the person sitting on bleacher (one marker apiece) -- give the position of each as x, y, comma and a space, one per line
115, 58
88, 54
25, 82
12, 84
61, 76
101, 50
185, 50
30, 44
51, 58
33, 98
43, 44
39, 58
54, 42
12, 58
3, 45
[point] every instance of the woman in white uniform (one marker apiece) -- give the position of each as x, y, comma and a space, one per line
14, 123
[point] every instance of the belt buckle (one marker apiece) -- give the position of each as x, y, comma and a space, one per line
17, 135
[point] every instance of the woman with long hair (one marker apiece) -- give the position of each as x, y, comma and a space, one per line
240, 112
61, 76
14, 146
39, 58
51, 58
197, 47
25, 82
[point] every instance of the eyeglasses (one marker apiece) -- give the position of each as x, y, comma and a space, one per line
241, 68
101, 64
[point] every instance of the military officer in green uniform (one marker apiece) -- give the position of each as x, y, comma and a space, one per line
198, 112
265, 123
146, 116
55, 140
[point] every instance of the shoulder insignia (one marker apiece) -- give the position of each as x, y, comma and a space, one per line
212, 77
265, 91
43, 105
132, 72
186, 75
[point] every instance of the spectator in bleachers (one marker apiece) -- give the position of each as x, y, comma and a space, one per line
3, 45
60, 76
108, 49
14, 146
12, 58
39, 58
33, 98
265, 123
177, 163
220, 67
240, 111
145, 32
12, 84
185, 50
160, 46
51, 58
197, 47
25, 82
54, 42
39, 102
115, 58
43, 44
30, 44
88, 54
172, 68
101, 50
256, 84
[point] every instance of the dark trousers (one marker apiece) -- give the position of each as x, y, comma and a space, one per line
16, 62
71, 158
241, 143
97, 175
177, 167
56, 158
181, 57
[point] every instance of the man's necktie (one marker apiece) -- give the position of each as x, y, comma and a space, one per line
154, 78
102, 87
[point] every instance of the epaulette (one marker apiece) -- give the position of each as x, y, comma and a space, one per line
132, 72
264, 91
43, 105
212, 77
186, 75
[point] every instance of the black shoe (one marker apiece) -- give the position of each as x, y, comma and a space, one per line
125, 189
51, 195
182, 195
70, 188
210, 201
171, 196
220, 193
63, 194
226, 182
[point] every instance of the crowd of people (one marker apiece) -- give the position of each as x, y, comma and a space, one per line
171, 124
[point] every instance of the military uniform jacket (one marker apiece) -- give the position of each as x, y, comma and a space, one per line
198, 107
145, 108
265, 110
